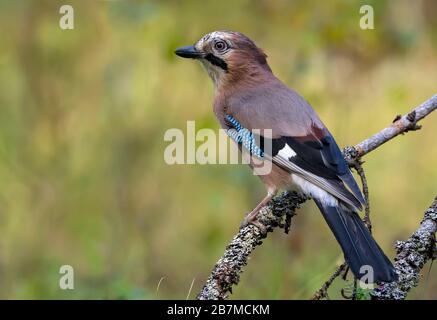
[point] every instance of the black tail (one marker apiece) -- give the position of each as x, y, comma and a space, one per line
358, 245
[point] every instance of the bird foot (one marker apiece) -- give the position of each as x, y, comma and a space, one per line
252, 219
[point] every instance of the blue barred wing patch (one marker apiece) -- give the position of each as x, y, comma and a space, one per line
243, 136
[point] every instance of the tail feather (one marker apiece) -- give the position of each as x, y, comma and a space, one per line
357, 243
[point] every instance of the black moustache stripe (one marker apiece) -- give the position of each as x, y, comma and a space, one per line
216, 61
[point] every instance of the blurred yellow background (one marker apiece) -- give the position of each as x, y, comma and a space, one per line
83, 113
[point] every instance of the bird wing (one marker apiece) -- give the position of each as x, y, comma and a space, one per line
300, 143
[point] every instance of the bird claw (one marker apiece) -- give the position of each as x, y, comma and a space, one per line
252, 219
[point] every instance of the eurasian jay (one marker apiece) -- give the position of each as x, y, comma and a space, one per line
304, 154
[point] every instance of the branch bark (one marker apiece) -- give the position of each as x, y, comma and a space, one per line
411, 257
226, 273
400, 125
279, 211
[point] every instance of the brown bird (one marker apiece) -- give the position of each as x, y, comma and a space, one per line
303, 154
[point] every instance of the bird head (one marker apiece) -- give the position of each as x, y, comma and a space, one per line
227, 56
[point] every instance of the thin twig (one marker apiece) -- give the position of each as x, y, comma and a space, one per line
191, 288
358, 165
323, 291
401, 125
354, 293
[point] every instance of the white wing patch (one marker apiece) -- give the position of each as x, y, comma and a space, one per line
314, 191
316, 181
286, 152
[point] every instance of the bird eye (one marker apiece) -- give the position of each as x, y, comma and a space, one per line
220, 45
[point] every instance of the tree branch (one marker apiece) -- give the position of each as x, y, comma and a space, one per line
227, 270
323, 291
411, 257
399, 126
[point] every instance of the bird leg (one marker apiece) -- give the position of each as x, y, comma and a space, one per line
251, 217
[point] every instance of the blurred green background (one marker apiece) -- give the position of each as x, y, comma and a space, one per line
83, 113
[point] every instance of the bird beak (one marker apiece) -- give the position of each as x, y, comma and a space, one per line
188, 52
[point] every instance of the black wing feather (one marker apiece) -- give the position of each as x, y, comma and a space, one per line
321, 157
